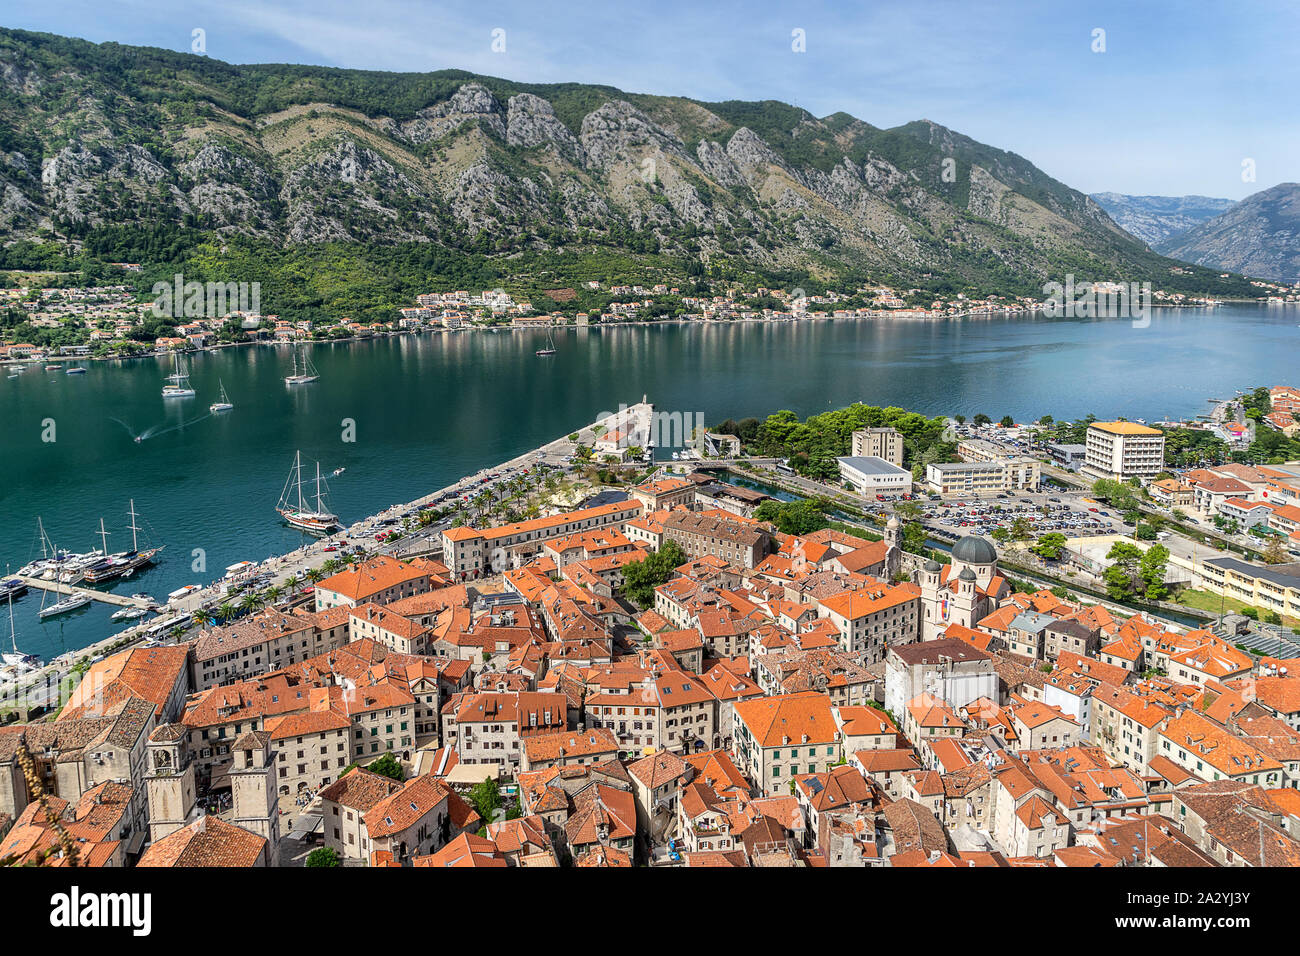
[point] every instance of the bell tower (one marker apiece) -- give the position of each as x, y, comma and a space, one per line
894, 543
254, 797
169, 786
934, 608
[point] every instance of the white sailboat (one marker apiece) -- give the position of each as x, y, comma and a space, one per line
178, 382
223, 404
302, 373
16, 659
296, 510
74, 600
550, 346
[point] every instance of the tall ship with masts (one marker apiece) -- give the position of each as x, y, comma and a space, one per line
303, 369
123, 564
295, 508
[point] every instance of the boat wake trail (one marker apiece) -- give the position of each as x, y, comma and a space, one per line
153, 431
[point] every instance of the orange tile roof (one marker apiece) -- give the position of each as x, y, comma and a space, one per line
777, 721
361, 581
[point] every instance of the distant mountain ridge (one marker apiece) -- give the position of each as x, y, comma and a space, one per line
1259, 236
101, 139
1157, 219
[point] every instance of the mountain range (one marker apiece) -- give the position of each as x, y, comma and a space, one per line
1155, 219
100, 143
1259, 236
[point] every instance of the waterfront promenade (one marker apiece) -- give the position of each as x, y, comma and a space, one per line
296, 563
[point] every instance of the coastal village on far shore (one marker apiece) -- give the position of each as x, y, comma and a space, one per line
111, 321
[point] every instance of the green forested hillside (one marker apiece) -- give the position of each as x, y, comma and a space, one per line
349, 189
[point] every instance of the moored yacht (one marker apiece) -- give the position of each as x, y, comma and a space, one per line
178, 383
302, 373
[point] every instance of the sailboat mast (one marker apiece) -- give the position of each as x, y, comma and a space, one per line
319, 509
135, 545
297, 462
103, 536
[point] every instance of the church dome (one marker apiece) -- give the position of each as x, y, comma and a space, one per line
933, 567
966, 575
974, 550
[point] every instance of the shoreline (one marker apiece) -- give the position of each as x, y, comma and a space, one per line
1039, 312
293, 562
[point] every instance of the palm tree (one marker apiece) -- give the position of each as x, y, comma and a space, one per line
226, 612
292, 582
202, 617
249, 602
314, 575
330, 565
273, 593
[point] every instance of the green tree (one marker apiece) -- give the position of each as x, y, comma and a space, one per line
1151, 572
1021, 529
1121, 575
388, 766
323, 856
640, 578
908, 511
485, 797
1050, 546
915, 538
794, 517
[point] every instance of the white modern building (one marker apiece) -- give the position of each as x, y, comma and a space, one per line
1124, 450
870, 475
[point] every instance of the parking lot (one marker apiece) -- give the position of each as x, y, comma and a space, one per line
1072, 518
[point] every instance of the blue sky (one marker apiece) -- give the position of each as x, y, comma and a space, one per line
1184, 92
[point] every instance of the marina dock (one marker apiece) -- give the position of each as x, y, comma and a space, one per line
107, 597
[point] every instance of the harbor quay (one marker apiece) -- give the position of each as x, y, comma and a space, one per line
48, 685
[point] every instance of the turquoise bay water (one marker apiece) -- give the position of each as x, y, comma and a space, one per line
432, 407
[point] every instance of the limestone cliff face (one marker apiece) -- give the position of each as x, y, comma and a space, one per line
1259, 236
93, 137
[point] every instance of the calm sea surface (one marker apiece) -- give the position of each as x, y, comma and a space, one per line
430, 408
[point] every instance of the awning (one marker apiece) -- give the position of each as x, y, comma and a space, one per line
306, 825
137, 840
